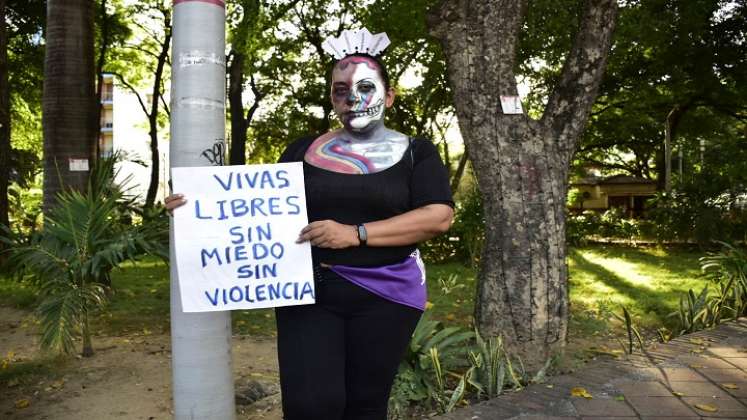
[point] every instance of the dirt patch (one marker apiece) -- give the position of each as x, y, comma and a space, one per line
128, 377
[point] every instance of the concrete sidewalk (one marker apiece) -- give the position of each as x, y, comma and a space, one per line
701, 375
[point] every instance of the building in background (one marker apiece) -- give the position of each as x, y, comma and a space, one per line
124, 129
618, 191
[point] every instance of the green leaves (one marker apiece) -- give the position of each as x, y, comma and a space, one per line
432, 352
631, 329
727, 271
490, 364
63, 311
69, 261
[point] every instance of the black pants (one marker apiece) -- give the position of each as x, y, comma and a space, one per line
338, 357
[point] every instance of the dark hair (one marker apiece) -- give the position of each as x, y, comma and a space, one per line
381, 67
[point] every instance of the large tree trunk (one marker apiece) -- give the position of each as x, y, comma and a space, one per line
521, 164
67, 103
4, 122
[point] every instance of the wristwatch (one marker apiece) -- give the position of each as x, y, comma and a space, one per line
362, 234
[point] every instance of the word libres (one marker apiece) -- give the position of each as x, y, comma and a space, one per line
250, 207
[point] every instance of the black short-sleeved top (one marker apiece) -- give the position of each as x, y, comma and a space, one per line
418, 179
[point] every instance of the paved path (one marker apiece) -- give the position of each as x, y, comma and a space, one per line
706, 369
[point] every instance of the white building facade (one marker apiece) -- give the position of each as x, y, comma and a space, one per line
124, 130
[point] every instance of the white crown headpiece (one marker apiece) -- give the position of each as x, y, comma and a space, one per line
351, 42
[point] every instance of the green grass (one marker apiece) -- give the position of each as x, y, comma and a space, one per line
140, 303
29, 371
456, 306
16, 294
649, 281
140, 299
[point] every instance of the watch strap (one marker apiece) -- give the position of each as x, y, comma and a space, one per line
362, 234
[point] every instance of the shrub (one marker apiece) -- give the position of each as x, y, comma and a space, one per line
687, 215
725, 298
25, 205
464, 240
70, 259
580, 227
416, 380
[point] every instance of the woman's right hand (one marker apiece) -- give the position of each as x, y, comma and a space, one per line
173, 201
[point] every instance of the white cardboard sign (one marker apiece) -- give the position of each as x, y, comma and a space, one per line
511, 105
235, 238
78, 165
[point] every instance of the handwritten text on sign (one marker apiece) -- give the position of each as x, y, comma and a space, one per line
235, 239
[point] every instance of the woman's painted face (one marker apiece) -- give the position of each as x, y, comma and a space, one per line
358, 93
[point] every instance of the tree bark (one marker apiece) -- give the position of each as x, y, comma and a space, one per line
87, 350
237, 154
155, 167
521, 164
4, 123
67, 103
239, 121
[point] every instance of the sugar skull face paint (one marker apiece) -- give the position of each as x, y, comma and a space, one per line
359, 95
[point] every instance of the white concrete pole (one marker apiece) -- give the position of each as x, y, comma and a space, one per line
200, 342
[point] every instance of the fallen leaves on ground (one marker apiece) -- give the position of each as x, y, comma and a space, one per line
23, 403
730, 386
603, 350
580, 392
710, 408
6, 361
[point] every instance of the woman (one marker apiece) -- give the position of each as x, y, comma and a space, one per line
372, 194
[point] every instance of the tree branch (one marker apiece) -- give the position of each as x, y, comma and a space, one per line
165, 105
618, 105
141, 49
258, 95
133, 90
570, 103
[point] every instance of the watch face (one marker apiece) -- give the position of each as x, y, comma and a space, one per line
362, 234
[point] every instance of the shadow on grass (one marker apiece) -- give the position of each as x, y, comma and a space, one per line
644, 298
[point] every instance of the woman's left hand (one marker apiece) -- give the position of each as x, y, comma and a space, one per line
329, 234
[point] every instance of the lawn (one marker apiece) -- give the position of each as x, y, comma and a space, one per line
648, 281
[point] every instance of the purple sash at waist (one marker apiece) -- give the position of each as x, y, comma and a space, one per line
403, 283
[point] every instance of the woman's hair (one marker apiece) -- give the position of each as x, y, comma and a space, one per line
381, 68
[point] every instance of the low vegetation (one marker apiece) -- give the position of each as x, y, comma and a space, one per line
447, 365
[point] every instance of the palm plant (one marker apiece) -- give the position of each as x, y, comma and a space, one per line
69, 261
